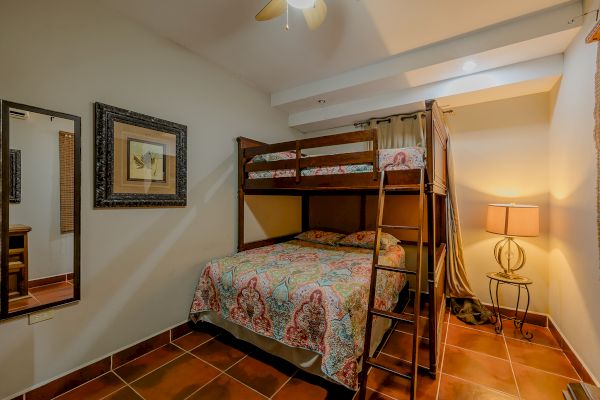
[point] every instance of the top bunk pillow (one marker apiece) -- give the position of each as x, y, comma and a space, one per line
321, 237
282, 155
401, 159
366, 239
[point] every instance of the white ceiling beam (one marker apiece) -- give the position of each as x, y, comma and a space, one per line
329, 116
551, 21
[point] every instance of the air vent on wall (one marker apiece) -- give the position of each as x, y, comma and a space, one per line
18, 114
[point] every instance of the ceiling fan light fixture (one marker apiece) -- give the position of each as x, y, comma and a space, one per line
301, 4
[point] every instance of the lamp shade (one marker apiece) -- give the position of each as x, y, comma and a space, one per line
513, 219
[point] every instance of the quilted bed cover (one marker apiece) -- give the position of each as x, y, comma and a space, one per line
304, 295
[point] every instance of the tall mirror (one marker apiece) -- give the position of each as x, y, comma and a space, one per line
40, 164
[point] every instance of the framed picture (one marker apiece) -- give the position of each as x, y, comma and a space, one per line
14, 176
140, 160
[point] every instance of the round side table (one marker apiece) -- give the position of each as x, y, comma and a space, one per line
520, 282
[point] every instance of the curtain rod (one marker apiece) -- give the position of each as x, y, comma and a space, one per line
387, 118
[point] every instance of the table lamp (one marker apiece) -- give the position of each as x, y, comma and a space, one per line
512, 220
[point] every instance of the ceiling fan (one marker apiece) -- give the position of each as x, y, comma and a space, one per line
314, 11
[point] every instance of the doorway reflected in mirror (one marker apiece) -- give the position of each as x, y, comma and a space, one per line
42, 241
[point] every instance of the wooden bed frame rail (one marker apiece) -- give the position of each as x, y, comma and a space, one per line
249, 149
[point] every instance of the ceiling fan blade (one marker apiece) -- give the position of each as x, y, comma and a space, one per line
315, 16
273, 9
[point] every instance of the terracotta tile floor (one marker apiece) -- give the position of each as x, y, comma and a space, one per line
43, 295
210, 364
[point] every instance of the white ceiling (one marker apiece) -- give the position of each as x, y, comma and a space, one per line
363, 43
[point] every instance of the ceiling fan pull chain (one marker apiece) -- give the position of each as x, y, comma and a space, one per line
287, 16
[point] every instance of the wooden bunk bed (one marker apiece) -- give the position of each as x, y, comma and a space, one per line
430, 179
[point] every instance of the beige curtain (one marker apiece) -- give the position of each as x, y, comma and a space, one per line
400, 131
457, 284
597, 140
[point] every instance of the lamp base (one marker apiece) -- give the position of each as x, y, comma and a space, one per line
507, 260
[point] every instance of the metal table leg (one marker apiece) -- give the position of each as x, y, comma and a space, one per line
521, 322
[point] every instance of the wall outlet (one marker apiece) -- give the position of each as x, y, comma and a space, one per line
40, 316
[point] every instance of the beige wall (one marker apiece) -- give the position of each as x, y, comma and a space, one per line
501, 155
574, 291
139, 266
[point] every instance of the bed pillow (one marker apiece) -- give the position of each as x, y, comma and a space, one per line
366, 239
321, 237
282, 155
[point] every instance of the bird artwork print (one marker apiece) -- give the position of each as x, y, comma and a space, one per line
148, 160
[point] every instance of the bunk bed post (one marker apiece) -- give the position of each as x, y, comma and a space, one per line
305, 212
242, 144
431, 263
363, 212
375, 146
431, 237
241, 175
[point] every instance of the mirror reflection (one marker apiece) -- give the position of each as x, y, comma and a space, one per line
41, 209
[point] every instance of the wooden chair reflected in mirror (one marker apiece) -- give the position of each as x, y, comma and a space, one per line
40, 224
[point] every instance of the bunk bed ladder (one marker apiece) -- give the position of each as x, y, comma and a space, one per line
368, 361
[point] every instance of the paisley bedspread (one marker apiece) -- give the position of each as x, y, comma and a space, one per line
303, 295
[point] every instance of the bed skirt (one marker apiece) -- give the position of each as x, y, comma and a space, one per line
304, 359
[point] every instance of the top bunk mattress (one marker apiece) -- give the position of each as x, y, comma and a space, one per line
389, 160
303, 295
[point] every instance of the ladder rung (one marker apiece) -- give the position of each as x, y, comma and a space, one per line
395, 269
407, 227
391, 315
397, 188
374, 363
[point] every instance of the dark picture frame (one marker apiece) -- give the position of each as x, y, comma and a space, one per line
105, 196
14, 194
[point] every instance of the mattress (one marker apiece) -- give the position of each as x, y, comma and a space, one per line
389, 160
303, 295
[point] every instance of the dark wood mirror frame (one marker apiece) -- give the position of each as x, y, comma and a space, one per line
5, 106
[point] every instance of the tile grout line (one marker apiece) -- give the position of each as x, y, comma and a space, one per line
535, 344
550, 348
151, 371
547, 372
214, 366
375, 391
195, 347
286, 382
439, 385
133, 359
126, 385
152, 351
507, 340
481, 385
206, 384
248, 386
222, 372
113, 370
478, 352
78, 386
511, 365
